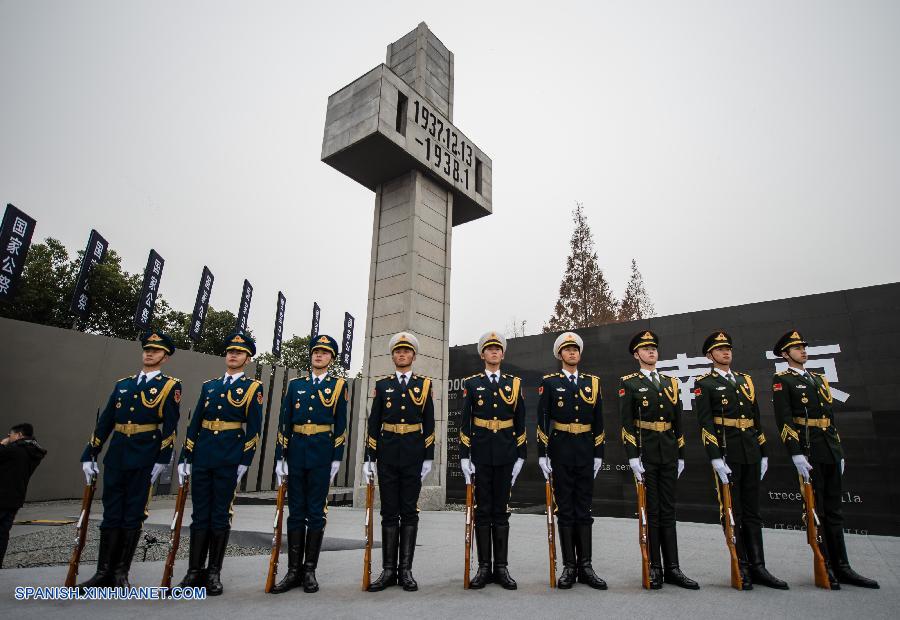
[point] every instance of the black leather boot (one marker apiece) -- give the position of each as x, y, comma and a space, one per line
583, 544
103, 577
127, 546
483, 543
567, 547
753, 543
390, 535
501, 553
407, 551
313, 547
196, 575
672, 572
841, 565
294, 576
656, 572
218, 541
743, 563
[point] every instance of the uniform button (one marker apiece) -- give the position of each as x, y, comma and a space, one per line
495, 417
132, 408
576, 419
308, 421
660, 393
220, 406
129, 421
222, 395
217, 419
403, 395
741, 402
310, 408
403, 407
403, 419
495, 405
576, 407
215, 432
742, 415
660, 417
135, 396
660, 406
312, 396
495, 393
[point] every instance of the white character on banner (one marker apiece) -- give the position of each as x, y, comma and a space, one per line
82, 302
153, 283
824, 361
686, 369
13, 246
9, 264
197, 325
145, 315
98, 250
20, 227
4, 284
157, 266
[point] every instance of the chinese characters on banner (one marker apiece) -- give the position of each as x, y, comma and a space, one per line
314, 332
279, 325
244, 309
15, 239
94, 253
347, 346
201, 304
143, 314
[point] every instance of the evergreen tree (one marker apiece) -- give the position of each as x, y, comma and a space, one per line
636, 303
585, 296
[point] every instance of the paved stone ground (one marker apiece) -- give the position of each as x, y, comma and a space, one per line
438, 569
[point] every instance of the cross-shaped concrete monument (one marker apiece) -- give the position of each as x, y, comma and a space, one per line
392, 131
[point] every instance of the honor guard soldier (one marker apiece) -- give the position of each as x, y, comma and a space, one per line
311, 436
218, 449
731, 432
650, 406
492, 442
805, 416
400, 445
570, 450
142, 416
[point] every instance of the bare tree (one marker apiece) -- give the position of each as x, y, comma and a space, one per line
636, 303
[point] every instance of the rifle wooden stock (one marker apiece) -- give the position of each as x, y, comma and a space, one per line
551, 532
87, 496
470, 523
812, 535
727, 517
643, 538
369, 533
175, 534
276, 537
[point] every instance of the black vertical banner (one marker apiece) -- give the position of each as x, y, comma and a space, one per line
314, 332
347, 346
279, 325
143, 314
201, 304
244, 310
15, 239
94, 253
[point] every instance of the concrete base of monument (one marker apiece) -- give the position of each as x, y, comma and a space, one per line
430, 498
438, 567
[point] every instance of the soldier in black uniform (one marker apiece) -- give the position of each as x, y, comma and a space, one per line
650, 405
492, 441
400, 443
804, 414
218, 449
731, 432
570, 447
142, 415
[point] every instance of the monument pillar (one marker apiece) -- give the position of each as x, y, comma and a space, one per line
392, 131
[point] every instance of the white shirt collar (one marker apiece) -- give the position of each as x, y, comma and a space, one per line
490, 374
233, 377
647, 372
723, 373
313, 376
149, 375
569, 375
800, 371
403, 375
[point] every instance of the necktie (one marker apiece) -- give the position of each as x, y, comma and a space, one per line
317, 381
655, 379
573, 379
141, 380
493, 379
403, 382
731, 380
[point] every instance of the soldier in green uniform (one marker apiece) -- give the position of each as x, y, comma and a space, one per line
650, 406
570, 449
492, 441
805, 416
730, 430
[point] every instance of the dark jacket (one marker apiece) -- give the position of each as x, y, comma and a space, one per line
18, 461
563, 404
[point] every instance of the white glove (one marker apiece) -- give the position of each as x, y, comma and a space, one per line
426, 468
544, 464
842, 467
184, 470
281, 471
242, 469
802, 465
637, 468
158, 468
763, 467
467, 469
89, 468
598, 463
335, 466
721, 468
517, 468
368, 470
680, 467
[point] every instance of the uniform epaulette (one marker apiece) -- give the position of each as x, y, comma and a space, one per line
176, 379
818, 374
782, 373
703, 376
471, 376
666, 376
589, 376
552, 374
123, 378
631, 376
210, 380
503, 374
415, 376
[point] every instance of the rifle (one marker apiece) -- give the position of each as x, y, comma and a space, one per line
81, 527
276, 537
726, 515
175, 533
551, 530
369, 533
643, 527
470, 523
813, 537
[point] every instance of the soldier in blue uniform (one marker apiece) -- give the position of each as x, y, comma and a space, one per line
310, 446
400, 444
570, 447
651, 410
221, 441
142, 416
492, 440
804, 414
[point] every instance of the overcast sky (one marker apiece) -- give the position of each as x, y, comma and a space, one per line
739, 153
